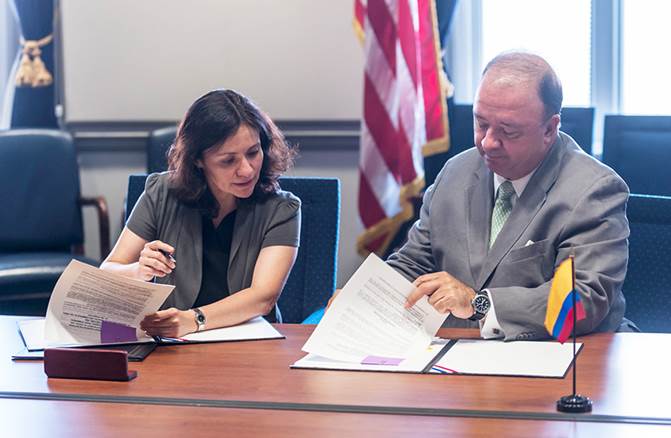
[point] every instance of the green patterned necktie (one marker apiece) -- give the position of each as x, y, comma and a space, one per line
502, 208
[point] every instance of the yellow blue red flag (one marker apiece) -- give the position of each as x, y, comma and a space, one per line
559, 316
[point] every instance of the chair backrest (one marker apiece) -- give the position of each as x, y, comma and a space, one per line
39, 191
646, 286
461, 138
135, 189
638, 148
579, 123
158, 144
312, 279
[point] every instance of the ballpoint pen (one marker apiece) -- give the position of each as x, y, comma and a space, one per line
168, 255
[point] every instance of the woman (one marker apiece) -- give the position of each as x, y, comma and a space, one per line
216, 224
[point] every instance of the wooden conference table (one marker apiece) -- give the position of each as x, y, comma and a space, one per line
247, 388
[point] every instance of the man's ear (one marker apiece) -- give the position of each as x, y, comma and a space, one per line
551, 128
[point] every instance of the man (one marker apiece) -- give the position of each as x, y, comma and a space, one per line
502, 216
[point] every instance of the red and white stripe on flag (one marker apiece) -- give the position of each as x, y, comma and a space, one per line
404, 112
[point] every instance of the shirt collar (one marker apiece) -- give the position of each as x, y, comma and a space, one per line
519, 184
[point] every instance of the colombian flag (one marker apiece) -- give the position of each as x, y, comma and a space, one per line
559, 316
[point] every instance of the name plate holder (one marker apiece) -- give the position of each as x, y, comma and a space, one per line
76, 363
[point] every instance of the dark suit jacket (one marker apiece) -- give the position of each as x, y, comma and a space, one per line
572, 204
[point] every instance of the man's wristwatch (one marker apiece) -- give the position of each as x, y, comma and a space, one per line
200, 319
481, 305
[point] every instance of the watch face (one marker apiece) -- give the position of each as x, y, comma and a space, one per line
200, 317
481, 304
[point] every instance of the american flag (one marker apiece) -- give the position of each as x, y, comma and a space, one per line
404, 114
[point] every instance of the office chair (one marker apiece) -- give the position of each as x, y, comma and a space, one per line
158, 144
41, 225
638, 148
646, 287
312, 279
461, 139
579, 123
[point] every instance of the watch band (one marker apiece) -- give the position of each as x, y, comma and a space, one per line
200, 319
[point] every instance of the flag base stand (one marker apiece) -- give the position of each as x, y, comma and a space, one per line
574, 403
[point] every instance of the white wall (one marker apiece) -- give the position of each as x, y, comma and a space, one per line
148, 60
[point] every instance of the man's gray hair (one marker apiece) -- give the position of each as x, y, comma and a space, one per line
528, 66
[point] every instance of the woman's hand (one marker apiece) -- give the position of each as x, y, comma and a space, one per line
155, 260
170, 323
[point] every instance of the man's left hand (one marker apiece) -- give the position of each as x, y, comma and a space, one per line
446, 294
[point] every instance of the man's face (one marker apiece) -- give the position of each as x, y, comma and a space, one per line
511, 132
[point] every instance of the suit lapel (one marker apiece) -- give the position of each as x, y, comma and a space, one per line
480, 199
524, 211
190, 238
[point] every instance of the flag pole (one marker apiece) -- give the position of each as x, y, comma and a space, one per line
575, 402
573, 294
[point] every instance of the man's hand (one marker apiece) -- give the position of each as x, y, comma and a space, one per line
170, 323
446, 294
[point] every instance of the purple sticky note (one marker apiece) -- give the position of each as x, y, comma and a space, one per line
379, 360
115, 332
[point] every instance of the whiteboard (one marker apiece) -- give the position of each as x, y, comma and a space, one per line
148, 60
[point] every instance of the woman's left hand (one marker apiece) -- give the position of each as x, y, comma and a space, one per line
170, 323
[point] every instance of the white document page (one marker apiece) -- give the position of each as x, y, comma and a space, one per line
414, 364
368, 318
498, 358
32, 332
86, 296
256, 328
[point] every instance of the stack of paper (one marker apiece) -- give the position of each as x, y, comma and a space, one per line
367, 324
91, 307
367, 328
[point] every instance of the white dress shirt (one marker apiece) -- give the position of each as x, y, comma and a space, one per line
489, 326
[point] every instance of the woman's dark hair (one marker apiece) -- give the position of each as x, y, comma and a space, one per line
211, 120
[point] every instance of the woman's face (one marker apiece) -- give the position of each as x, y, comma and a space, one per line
234, 166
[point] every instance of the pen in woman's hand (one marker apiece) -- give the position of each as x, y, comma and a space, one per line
168, 255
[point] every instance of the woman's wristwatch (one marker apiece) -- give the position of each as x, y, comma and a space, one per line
200, 319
